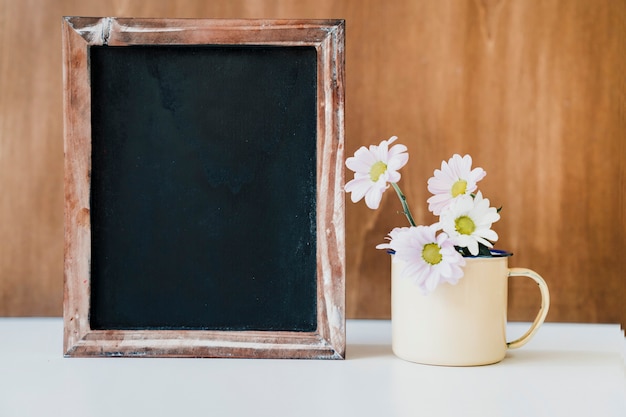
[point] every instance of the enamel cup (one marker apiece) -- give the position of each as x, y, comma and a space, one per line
462, 324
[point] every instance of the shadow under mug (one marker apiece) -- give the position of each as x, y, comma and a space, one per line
462, 324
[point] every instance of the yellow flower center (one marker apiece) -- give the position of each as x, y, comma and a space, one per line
459, 188
465, 225
377, 170
431, 253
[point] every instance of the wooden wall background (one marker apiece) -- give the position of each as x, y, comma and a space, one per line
533, 90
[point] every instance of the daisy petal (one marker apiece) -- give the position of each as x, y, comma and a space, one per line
373, 197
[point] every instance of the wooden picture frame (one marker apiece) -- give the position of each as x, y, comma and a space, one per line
325, 338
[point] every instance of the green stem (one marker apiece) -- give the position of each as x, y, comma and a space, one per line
405, 205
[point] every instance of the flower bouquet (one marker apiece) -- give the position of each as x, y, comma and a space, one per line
462, 324
436, 253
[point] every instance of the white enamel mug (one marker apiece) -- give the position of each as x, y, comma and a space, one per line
462, 324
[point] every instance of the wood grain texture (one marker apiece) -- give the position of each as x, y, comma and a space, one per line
31, 160
533, 90
328, 340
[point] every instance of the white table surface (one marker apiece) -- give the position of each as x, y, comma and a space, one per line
566, 370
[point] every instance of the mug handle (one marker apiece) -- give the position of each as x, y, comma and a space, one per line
543, 311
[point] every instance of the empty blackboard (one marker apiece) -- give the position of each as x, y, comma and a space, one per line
204, 186
203, 158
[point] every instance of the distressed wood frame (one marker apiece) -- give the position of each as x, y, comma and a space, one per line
327, 36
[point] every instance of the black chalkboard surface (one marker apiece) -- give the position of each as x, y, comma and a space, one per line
204, 203
203, 187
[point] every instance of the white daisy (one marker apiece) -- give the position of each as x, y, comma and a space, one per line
468, 222
374, 169
455, 178
430, 259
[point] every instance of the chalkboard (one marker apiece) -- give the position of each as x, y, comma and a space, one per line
204, 211
199, 189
